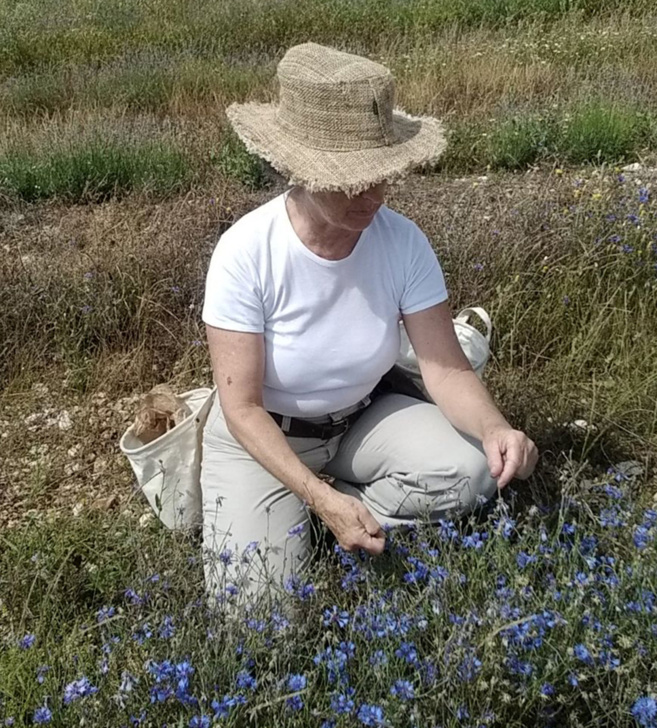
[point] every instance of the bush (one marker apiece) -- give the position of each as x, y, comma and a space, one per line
600, 132
93, 169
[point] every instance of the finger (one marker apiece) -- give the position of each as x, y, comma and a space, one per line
495, 461
511, 464
374, 545
374, 537
372, 526
530, 458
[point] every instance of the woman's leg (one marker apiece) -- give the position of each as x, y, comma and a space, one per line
244, 505
403, 460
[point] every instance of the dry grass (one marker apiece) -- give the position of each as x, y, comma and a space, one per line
552, 363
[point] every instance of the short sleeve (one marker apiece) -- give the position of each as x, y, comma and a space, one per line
424, 284
233, 299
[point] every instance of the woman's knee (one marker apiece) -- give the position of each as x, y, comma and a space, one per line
433, 493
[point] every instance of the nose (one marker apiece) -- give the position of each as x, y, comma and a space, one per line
375, 195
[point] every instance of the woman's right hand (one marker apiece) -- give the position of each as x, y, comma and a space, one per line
351, 523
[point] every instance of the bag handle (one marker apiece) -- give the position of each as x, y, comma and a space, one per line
483, 315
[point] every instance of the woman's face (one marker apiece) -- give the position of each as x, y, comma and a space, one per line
348, 213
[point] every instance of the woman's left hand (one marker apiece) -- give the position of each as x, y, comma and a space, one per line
510, 453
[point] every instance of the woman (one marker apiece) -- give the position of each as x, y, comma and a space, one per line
303, 300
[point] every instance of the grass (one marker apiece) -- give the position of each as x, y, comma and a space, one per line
518, 83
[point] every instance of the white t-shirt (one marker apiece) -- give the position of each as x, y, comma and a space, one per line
331, 327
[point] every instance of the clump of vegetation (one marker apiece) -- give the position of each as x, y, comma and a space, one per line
546, 619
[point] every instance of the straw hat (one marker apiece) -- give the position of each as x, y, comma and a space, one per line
335, 126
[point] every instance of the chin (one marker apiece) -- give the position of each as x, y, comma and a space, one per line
359, 223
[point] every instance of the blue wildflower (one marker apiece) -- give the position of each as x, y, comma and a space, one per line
547, 690
608, 659
257, 625
132, 597
407, 652
143, 633
642, 537
474, 541
161, 670
582, 654
644, 195
296, 682
223, 707
245, 681
41, 715
370, 715
336, 616
296, 530
342, 703
226, 556
105, 613
644, 711
462, 712
403, 689
523, 559
167, 628
294, 703
77, 689
303, 590
27, 641
279, 622
519, 667
649, 517
446, 530
200, 721
611, 517
378, 659
469, 668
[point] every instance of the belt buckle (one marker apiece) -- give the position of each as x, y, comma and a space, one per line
339, 427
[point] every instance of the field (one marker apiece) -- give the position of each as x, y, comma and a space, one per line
118, 172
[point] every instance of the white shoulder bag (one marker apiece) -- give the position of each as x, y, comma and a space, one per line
168, 469
475, 345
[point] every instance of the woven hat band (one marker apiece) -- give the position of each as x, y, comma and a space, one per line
340, 116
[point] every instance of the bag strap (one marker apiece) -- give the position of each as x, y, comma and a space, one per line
478, 311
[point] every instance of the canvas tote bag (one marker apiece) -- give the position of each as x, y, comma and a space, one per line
168, 469
475, 345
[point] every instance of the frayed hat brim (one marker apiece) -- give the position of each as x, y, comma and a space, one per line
420, 140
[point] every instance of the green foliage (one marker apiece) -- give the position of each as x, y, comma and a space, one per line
84, 32
236, 163
93, 169
603, 132
518, 142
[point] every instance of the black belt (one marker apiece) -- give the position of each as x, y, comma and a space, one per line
395, 381
303, 428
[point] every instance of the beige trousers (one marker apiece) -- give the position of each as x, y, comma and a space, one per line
401, 458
